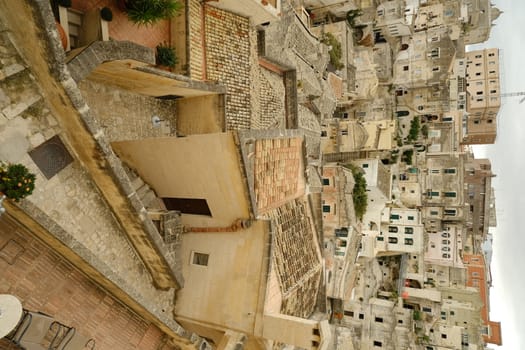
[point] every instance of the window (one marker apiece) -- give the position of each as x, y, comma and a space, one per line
478, 56
410, 218
445, 241
475, 274
434, 212
444, 336
433, 194
199, 259
379, 319
405, 68
392, 229
194, 206
452, 313
491, 54
361, 316
434, 53
445, 256
326, 182
409, 241
435, 69
427, 309
443, 315
450, 171
445, 234
365, 165
349, 313
450, 212
380, 238
392, 240
409, 230
378, 343
450, 194
394, 217
326, 208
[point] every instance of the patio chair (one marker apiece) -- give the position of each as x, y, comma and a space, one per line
73, 340
33, 329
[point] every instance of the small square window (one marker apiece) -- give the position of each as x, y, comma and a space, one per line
199, 259
326, 182
326, 208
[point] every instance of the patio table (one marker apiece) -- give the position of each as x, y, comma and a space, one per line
10, 313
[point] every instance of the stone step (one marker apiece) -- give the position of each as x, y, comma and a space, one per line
137, 183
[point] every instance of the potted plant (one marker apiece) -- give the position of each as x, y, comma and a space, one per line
165, 55
148, 12
106, 14
16, 182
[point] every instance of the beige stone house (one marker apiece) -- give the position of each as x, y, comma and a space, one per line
251, 260
483, 96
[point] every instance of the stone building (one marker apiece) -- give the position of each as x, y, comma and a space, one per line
483, 96
250, 254
478, 196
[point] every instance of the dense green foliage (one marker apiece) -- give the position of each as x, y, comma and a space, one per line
424, 130
16, 182
414, 129
359, 194
336, 51
407, 156
148, 12
166, 55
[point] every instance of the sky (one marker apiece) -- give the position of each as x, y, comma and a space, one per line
508, 163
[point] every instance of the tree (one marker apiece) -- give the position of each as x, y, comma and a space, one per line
359, 194
336, 51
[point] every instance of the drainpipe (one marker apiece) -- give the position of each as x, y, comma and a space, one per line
237, 225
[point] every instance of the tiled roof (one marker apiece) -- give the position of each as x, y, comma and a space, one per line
296, 258
277, 166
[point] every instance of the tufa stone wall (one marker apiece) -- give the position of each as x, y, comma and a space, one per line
196, 54
228, 61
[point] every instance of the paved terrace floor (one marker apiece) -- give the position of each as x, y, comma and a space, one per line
121, 28
44, 281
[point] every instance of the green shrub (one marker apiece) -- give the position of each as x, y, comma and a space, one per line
16, 182
148, 12
166, 55
407, 156
359, 194
336, 53
417, 315
414, 129
424, 130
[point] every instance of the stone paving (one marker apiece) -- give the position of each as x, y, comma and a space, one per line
46, 282
130, 115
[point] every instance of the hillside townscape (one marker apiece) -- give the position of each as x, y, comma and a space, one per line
247, 174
